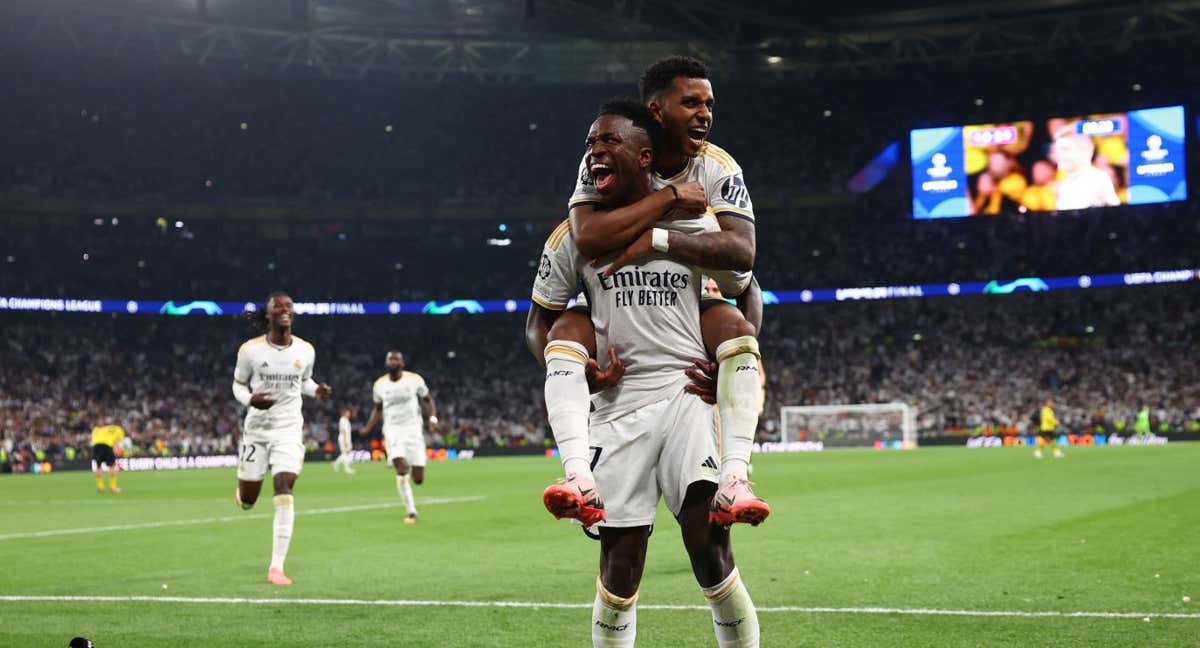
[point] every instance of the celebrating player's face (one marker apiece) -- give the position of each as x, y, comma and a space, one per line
280, 311
395, 362
686, 111
618, 152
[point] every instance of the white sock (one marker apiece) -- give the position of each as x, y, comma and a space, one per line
568, 403
285, 518
614, 619
404, 487
734, 617
739, 394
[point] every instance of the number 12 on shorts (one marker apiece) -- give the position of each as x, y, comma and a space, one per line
248, 452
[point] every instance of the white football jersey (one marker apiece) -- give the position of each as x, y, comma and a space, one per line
649, 313
723, 184
713, 168
401, 407
1088, 187
282, 372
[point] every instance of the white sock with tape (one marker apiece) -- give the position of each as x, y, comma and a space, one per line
734, 618
568, 403
614, 619
285, 519
739, 395
404, 487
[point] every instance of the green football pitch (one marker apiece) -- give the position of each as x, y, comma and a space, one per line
933, 547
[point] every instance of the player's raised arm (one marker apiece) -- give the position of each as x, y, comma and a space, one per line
597, 231
733, 248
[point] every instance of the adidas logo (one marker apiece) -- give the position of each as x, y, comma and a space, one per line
709, 463
265, 364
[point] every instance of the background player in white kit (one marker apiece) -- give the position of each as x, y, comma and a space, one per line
649, 438
273, 372
403, 402
345, 457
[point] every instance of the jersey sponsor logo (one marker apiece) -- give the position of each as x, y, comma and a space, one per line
544, 268
637, 287
734, 192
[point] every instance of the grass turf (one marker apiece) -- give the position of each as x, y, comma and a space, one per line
1105, 530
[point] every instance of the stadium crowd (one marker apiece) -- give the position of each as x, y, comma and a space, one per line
451, 259
968, 365
159, 141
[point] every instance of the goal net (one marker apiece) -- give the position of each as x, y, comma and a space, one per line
879, 425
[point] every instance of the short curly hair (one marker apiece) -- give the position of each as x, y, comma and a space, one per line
662, 73
636, 112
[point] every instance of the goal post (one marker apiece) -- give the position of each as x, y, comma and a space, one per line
879, 425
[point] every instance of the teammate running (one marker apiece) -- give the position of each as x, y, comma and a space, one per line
403, 401
649, 437
693, 177
345, 458
273, 372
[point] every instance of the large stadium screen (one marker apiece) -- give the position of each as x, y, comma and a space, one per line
1062, 163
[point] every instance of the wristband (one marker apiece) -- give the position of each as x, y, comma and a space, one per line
659, 239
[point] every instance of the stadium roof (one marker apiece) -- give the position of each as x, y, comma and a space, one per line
585, 40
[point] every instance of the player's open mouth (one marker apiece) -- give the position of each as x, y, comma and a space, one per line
697, 135
603, 176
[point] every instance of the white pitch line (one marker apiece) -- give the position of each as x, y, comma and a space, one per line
582, 606
228, 518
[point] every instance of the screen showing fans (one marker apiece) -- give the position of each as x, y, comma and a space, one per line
1062, 163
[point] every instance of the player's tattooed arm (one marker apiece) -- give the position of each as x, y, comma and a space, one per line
597, 231
732, 248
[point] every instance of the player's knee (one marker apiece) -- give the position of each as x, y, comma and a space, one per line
284, 483
742, 328
621, 575
722, 323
